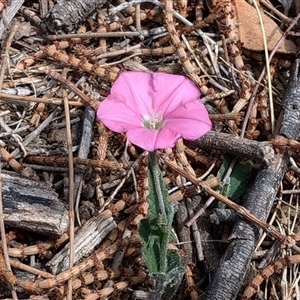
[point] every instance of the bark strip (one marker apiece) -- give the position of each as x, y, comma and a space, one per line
235, 145
32, 205
291, 120
66, 15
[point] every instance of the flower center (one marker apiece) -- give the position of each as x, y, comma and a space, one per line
153, 122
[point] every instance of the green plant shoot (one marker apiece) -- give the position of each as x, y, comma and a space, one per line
156, 233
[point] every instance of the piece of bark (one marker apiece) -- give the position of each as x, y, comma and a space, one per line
235, 145
32, 205
184, 233
210, 248
86, 239
223, 215
258, 200
232, 269
291, 120
66, 15
84, 148
8, 14
191, 205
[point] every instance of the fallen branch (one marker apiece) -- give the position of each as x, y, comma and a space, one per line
229, 277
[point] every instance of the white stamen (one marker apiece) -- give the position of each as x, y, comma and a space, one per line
153, 122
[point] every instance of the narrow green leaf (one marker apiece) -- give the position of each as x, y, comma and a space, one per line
240, 176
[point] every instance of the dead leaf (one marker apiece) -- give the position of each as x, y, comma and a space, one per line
249, 31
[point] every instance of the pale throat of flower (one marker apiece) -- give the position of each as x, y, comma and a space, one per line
153, 121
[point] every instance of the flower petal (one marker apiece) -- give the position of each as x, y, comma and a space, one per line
166, 138
134, 89
190, 120
117, 116
148, 93
137, 95
171, 91
151, 140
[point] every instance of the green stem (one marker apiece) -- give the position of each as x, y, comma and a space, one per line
154, 168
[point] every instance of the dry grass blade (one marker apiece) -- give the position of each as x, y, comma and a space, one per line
71, 190
11, 280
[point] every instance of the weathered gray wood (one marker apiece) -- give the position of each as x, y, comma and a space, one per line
8, 14
32, 205
67, 14
184, 232
259, 199
232, 269
86, 239
211, 253
223, 215
84, 149
291, 120
235, 145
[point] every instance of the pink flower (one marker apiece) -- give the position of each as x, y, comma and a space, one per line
154, 109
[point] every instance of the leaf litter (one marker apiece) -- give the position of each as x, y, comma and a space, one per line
75, 60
